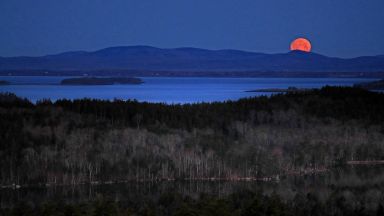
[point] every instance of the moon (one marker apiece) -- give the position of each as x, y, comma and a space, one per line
301, 44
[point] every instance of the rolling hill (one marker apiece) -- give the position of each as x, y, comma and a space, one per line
191, 59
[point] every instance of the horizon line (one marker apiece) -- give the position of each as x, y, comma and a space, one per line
182, 47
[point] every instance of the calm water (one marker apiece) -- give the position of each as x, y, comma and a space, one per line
164, 89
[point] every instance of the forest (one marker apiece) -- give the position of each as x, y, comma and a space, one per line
264, 138
261, 138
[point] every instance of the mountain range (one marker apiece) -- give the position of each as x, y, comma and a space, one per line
191, 59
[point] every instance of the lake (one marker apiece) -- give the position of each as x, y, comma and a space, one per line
164, 89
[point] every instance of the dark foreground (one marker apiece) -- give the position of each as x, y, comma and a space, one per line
351, 190
258, 139
241, 203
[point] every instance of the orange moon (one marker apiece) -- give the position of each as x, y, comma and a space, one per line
301, 44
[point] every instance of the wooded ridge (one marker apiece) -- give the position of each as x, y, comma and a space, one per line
93, 141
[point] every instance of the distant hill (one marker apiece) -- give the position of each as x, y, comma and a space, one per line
191, 59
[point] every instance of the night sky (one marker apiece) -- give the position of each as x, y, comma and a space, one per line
342, 28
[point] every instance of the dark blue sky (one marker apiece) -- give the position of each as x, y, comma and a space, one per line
344, 28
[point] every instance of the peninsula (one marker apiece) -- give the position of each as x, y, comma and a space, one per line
3, 82
281, 90
375, 85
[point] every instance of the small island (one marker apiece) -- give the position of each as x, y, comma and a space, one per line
3, 82
280, 90
375, 85
101, 81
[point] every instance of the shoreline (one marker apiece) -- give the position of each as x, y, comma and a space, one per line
187, 74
